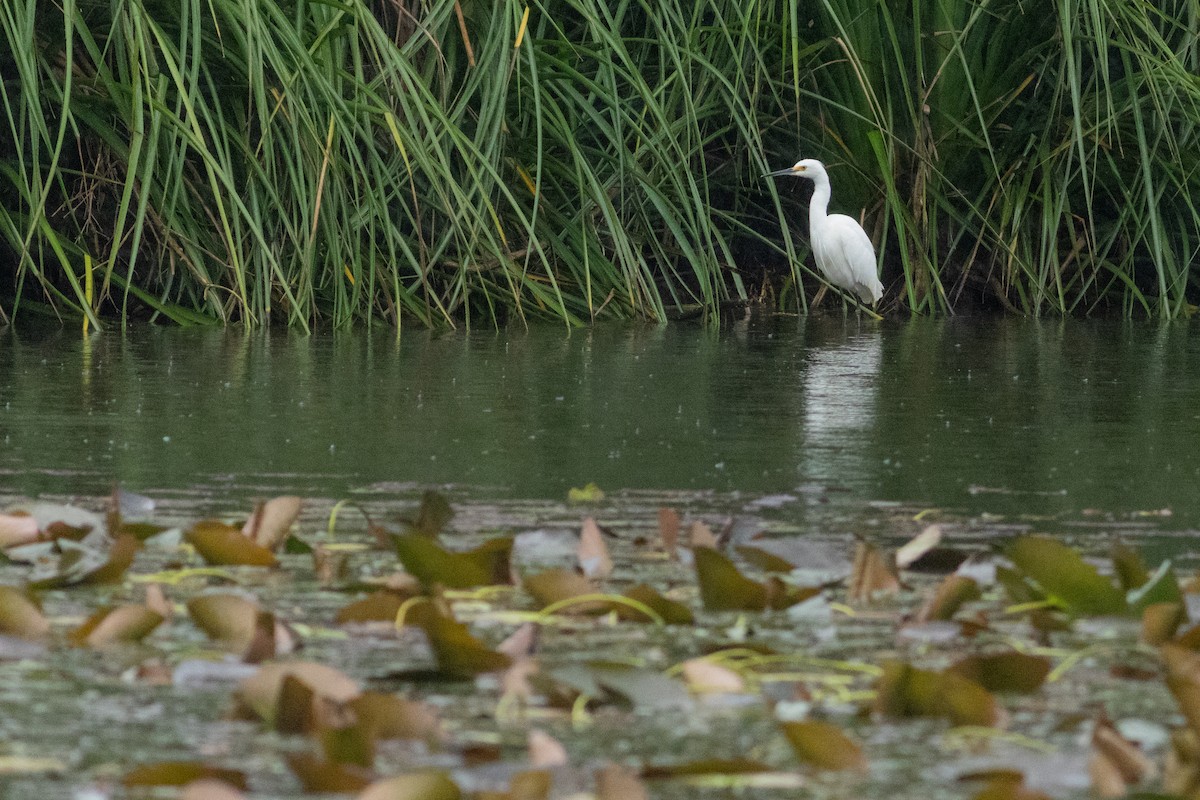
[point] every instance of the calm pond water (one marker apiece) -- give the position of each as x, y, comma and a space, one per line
973, 415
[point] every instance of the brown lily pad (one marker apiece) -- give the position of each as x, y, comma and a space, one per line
823, 745
226, 545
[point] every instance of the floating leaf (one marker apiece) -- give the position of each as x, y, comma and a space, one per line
318, 775
260, 693
458, 653
227, 618
414, 786
130, 623
669, 611
872, 574
556, 585
83, 565
21, 616
592, 551
823, 745
1160, 621
951, 593
905, 691
380, 606
1116, 763
530, 784
766, 561
587, 494
348, 744
1009, 671
426, 560
271, 521
181, 773
723, 587
223, 544
1004, 787
1068, 580
1183, 679
387, 716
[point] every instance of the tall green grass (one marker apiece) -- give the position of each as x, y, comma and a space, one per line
322, 163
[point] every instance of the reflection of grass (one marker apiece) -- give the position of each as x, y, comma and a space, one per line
320, 165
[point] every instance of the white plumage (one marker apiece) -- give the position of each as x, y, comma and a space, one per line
843, 250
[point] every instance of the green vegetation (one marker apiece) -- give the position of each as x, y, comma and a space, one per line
326, 162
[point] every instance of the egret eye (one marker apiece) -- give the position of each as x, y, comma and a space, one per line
801, 169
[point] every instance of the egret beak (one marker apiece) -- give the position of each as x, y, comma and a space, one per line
778, 172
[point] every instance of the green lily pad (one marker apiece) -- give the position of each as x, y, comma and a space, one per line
430, 563
1066, 578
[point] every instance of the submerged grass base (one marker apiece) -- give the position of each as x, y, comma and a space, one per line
313, 163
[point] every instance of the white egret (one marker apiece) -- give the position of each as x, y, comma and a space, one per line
843, 250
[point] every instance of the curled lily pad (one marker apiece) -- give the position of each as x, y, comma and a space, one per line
429, 562
668, 610
1007, 671
556, 585
317, 774
226, 545
269, 525
20, 615
388, 716
950, 595
414, 786
594, 559
873, 573
379, 606
260, 694
81, 564
823, 745
458, 653
906, 691
129, 623
724, 588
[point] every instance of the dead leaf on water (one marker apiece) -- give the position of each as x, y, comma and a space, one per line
912, 550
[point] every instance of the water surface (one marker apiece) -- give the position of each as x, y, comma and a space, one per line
974, 415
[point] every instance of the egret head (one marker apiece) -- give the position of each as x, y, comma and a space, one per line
804, 168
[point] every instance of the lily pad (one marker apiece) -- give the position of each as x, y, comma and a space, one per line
823, 745
1007, 671
129, 623
429, 562
906, 691
226, 545
20, 615
458, 653
414, 786
1066, 578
